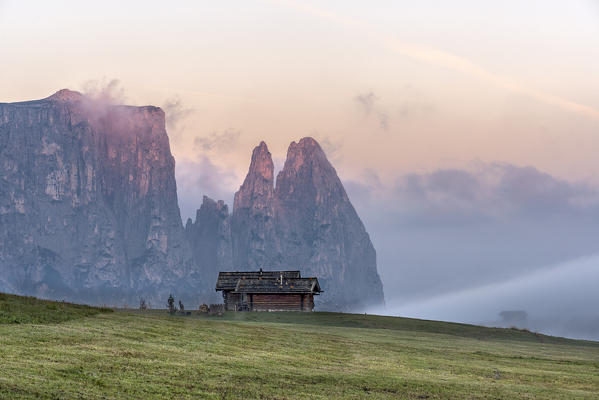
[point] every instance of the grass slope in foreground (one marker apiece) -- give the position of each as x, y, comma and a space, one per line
288, 356
29, 310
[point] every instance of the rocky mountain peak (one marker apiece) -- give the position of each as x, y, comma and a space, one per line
261, 164
305, 151
66, 95
215, 206
307, 168
257, 188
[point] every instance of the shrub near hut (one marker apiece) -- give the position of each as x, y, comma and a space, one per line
171, 305
216, 309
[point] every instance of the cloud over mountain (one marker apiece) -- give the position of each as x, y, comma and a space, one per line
453, 229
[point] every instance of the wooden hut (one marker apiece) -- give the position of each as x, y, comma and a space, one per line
267, 291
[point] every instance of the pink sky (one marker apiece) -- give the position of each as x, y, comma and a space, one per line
441, 84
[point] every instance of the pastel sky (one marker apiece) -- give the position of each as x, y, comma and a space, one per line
465, 132
443, 83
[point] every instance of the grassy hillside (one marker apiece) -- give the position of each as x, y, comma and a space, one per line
288, 356
402, 324
29, 310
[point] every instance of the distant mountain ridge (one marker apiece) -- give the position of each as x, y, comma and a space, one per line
89, 213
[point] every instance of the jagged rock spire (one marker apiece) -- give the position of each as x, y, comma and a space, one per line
319, 231
257, 188
253, 214
307, 223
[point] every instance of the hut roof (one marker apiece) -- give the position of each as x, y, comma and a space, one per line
266, 282
293, 285
228, 280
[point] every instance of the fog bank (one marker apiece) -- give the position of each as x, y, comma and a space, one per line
561, 300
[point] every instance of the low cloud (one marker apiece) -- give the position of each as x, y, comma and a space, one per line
409, 104
102, 105
221, 142
367, 101
329, 145
198, 178
455, 229
105, 91
369, 104
413, 104
176, 112
495, 190
415, 109
558, 300
383, 120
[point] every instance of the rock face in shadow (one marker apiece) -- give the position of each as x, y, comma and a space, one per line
253, 217
306, 223
318, 230
210, 240
88, 203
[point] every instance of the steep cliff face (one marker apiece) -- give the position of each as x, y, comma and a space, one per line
88, 202
253, 218
319, 230
88, 212
210, 240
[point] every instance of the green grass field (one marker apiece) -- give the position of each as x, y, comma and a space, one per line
29, 310
87, 353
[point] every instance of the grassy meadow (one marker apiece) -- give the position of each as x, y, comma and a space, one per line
89, 353
29, 310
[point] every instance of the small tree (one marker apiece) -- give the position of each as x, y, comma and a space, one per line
181, 308
142, 304
171, 304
